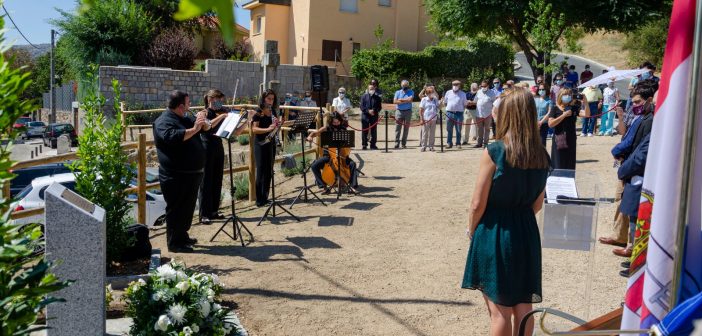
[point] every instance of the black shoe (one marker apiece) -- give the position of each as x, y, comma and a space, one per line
218, 215
465, 142
626, 264
397, 146
624, 273
191, 241
404, 146
477, 146
365, 148
181, 249
449, 146
205, 221
374, 148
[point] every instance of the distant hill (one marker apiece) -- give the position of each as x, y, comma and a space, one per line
43, 48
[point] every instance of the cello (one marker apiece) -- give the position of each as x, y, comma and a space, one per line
337, 167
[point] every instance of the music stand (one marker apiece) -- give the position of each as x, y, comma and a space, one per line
274, 201
339, 140
304, 118
237, 224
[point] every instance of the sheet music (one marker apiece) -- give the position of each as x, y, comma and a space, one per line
560, 186
228, 125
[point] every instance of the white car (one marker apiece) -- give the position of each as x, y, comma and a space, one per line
32, 197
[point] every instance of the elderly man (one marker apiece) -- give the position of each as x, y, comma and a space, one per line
307, 100
371, 105
181, 157
483, 100
455, 102
403, 98
471, 115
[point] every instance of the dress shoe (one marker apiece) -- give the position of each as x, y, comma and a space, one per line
449, 146
624, 273
477, 146
365, 148
404, 146
610, 241
205, 221
191, 241
622, 252
397, 146
465, 143
181, 249
626, 264
374, 148
218, 215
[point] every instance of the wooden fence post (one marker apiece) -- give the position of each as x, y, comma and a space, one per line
123, 107
6, 190
252, 165
141, 184
286, 116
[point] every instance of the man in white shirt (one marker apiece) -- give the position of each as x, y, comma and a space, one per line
484, 100
455, 101
342, 104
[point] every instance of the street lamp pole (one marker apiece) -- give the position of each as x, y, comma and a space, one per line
52, 89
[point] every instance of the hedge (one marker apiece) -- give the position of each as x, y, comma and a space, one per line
480, 59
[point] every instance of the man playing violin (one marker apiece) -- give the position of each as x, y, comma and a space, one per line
336, 124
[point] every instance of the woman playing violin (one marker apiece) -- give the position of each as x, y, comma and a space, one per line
210, 190
263, 123
336, 124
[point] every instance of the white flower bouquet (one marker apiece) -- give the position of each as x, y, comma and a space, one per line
176, 301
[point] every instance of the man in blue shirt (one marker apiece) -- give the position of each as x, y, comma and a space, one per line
403, 115
572, 77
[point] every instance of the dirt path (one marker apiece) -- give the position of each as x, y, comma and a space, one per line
390, 261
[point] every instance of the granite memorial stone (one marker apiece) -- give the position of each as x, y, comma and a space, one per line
63, 144
76, 240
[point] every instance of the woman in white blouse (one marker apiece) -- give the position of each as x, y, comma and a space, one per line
342, 104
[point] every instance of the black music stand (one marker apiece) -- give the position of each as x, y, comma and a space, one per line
274, 202
304, 118
339, 140
237, 224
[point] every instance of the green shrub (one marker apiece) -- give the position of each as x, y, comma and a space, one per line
241, 183
647, 43
102, 170
243, 139
26, 281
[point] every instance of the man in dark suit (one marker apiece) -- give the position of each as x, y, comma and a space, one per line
370, 107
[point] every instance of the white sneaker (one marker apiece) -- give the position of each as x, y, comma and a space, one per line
590, 135
583, 134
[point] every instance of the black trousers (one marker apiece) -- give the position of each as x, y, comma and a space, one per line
211, 189
180, 192
543, 133
263, 154
318, 165
365, 123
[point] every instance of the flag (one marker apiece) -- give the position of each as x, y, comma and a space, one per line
649, 287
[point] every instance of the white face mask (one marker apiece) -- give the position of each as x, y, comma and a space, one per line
372, 92
341, 95
484, 89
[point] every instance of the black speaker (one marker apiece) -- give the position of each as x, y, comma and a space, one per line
320, 78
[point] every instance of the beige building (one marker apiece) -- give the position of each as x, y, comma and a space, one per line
328, 32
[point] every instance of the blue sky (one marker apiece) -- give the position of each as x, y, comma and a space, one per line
32, 17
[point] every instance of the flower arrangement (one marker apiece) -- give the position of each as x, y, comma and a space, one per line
177, 301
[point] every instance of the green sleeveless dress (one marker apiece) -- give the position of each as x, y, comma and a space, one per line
504, 259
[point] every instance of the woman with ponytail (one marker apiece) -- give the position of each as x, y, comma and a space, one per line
211, 188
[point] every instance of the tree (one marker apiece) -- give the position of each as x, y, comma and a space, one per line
42, 72
647, 43
518, 19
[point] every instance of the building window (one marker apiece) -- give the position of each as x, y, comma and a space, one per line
259, 23
350, 6
356, 47
385, 3
331, 50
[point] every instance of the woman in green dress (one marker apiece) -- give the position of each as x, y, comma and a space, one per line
504, 260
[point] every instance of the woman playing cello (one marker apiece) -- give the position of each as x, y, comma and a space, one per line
336, 124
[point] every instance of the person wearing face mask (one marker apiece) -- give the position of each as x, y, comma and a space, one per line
594, 97
307, 100
342, 104
562, 119
483, 102
211, 188
543, 106
586, 75
428, 110
181, 158
455, 101
556, 87
376, 85
262, 124
610, 98
371, 104
572, 76
496, 86
471, 114
403, 98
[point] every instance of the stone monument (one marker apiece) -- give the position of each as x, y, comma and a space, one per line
76, 240
63, 144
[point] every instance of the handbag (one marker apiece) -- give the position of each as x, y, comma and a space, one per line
561, 141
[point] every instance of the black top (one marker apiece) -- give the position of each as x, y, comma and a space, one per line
263, 122
209, 135
174, 154
371, 103
568, 124
565, 158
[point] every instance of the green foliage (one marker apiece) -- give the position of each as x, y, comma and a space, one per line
381, 43
102, 170
241, 183
293, 148
545, 29
188, 9
176, 301
572, 36
240, 51
173, 48
480, 58
243, 139
647, 43
20, 59
112, 32
41, 73
26, 281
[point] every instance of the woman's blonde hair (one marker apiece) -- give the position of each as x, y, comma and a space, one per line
562, 92
519, 132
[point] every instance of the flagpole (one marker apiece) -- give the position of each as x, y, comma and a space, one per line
689, 143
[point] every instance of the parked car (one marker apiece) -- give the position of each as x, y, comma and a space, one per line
26, 175
21, 122
35, 129
32, 197
53, 131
